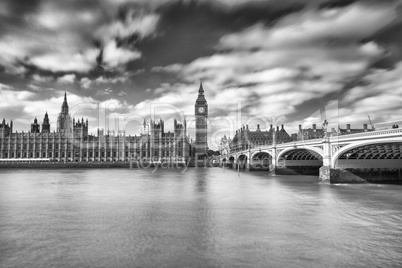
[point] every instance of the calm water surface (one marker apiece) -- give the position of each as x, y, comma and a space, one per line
202, 218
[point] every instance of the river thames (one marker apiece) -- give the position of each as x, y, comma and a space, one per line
200, 218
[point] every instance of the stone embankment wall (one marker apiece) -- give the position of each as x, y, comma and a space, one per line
297, 170
359, 175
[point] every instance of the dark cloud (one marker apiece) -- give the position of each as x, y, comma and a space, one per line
13, 14
391, 40
19, 8
186, 31
336, 3
189, 30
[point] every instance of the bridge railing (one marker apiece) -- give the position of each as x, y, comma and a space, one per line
250, 146
351, 136
386, 132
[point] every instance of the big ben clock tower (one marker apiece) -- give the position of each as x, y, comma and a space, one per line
201, 115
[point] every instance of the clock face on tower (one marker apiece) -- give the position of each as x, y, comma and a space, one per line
201, 110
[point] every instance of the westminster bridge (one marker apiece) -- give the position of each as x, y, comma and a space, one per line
374, 156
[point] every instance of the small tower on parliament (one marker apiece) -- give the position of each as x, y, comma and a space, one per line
64, 123
201, 126
80, 128
46, 124
5, 128
35, 127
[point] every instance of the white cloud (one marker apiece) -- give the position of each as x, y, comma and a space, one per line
135, 23
114, 56
42, 79
106, 91
87, 83
380, 97
170, 68
56, 38
268, 78
34, 87
30, 104
52, 17
114, 80
67, 79
12, 50
333, 63
9, 96
310, 27
56, 62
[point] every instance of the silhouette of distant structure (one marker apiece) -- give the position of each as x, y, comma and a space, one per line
72, 143
317, 133
246, 138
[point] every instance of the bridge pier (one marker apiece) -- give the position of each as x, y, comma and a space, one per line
274, 158
325, 170
326, 173
248, 161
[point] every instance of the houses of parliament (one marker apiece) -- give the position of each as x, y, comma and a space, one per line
72, 143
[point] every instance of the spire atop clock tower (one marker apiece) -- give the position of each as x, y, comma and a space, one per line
201, 90
201, 98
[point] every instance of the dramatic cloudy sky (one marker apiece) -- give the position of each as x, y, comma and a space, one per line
280, 61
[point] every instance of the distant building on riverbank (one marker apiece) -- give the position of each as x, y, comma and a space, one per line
72, 143
318, 133
246, 138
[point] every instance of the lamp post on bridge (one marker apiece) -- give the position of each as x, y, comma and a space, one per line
274, 156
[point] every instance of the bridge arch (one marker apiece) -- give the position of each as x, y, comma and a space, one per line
382, 149
306, 148
258, 154
231, 161
242, 160
260, 160
300, 160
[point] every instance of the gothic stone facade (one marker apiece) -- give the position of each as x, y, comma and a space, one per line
71, 142
245, 138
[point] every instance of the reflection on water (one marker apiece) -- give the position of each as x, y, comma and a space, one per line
204, 217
